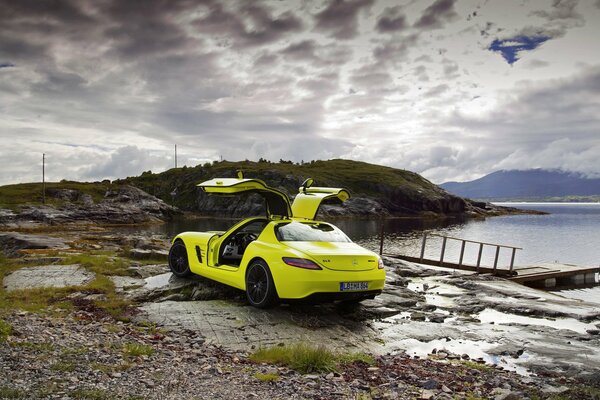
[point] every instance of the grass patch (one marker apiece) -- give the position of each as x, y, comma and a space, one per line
266, 377
38, 346
476, 365
93, 394
38, 299
5, 330
10, 393
306, 358
63, 366
137, 350
101, 264
14, 196
108, 368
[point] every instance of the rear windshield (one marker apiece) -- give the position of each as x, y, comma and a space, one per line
309, 232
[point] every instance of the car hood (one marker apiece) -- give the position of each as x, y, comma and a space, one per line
340, 256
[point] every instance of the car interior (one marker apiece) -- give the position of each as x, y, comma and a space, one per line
233, 248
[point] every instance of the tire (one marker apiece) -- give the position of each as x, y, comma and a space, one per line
260, 288
178, 260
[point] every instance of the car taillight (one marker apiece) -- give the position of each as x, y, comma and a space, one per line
300, 263
380, 266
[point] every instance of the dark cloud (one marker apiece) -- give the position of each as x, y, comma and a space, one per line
535, 130
311, 51
436, 90
560, 10
436, 14
340, 17
250, 25
391, 20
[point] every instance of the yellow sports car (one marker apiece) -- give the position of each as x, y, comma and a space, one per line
286, 255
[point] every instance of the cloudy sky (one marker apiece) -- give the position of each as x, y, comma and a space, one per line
451, 89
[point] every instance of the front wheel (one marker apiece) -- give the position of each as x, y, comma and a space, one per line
178, 260
260, 288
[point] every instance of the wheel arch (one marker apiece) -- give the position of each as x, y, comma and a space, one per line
269, 267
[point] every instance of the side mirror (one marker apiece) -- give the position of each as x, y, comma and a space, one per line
307, 183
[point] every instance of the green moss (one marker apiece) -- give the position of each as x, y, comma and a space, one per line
92, 394
136, 350
101, 264
5, 330
11, 393
476, 365
266, 377
306, 358
63, 366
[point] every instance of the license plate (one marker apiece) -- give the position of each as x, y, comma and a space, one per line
350, 286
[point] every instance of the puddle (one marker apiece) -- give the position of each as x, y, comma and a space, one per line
475, 349
158, 281
490, 315
436, 293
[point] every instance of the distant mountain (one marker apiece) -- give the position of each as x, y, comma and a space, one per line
528, 184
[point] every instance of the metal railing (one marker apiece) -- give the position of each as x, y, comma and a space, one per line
462, 250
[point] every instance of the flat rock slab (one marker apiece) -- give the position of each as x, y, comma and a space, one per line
242, 327
46, 276
12, 242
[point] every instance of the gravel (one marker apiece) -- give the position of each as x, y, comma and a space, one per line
82, 355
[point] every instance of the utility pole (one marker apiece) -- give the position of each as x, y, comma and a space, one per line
44, 178
175, 156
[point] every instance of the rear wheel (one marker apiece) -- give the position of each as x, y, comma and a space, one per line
178, 260
260, 288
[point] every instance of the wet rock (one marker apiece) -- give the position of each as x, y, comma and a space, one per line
141, 254
47, 276
593, 332
437, 318
418, 316
161, 286
12, 242
146, 271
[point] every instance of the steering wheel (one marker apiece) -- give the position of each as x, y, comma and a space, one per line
246, 239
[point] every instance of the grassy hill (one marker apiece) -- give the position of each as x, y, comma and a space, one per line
375, 189
399, 191
13, 196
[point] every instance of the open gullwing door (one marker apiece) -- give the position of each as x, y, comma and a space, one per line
309, 199
277, 202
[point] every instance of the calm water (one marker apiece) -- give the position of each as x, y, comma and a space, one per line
569, 234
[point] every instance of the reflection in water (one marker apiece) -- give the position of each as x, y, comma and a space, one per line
569, 234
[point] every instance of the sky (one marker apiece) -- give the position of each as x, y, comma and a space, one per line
450, 89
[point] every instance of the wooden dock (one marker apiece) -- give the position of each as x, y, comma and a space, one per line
546, 275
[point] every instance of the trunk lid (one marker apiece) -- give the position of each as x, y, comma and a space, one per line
339, 256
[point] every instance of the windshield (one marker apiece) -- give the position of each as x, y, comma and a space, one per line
309, 232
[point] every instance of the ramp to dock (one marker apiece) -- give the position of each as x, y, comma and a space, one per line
539, 275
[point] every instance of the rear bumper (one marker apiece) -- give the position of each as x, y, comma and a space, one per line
339, 296
296, 283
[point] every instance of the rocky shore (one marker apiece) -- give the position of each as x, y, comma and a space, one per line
96, 314
120, 205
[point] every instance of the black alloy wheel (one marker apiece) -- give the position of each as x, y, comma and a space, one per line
178, 260
260, 288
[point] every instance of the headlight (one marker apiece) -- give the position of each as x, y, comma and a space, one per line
380, 266
301, 263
